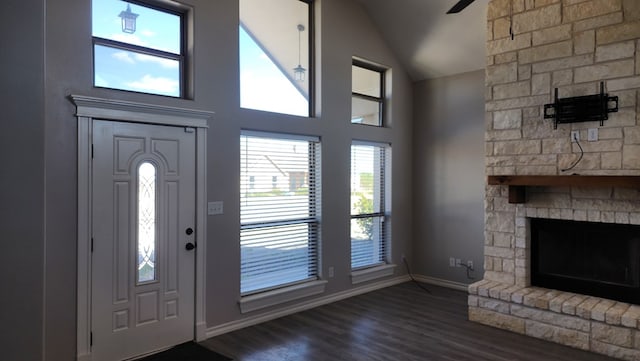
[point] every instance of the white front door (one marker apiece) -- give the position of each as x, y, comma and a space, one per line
143, 196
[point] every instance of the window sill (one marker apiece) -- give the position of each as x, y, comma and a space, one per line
372, 273
281, 295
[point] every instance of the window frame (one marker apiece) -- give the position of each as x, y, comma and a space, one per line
312, 57
311, 71
380, 100
312, 219
181, 58
384, 214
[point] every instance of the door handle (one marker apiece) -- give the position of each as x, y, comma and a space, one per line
189, 246
188, 231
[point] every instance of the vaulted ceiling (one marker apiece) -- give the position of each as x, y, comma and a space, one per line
429, 42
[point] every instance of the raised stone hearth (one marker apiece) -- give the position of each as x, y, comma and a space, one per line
572, 45
583, 322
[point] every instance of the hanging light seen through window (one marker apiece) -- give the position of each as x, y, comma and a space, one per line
299, 72
128, 20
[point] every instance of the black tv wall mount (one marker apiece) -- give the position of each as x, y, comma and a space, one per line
586, 108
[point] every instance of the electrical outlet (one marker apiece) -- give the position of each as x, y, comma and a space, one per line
331, 272
452, 262
458, 262
592, 134
470, 264
575, 136
403, 258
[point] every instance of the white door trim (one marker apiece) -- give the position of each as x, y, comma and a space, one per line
89, 108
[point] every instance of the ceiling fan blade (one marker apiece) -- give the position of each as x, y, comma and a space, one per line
459, 6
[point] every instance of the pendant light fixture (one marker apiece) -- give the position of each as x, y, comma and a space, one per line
128, 20
299, 72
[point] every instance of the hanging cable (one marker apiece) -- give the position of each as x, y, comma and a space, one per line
511, 20
469, 270
411, 276
579, 158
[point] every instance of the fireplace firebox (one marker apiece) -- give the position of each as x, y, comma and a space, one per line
597, 259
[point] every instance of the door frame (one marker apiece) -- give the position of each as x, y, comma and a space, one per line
88, 109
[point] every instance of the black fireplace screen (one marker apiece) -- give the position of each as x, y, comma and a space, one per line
598, 259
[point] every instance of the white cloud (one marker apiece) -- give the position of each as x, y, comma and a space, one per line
128, 38
101, 82
148, 33
165, 63
134, 58
156, 84
148, 43
124, 57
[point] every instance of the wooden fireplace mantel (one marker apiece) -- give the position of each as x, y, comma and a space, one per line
518, 183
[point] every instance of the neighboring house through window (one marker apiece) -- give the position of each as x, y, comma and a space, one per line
138, 47
279, 228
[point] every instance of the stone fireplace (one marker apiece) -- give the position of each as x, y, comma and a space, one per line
572, 45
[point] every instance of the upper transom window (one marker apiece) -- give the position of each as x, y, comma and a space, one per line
138, 47
367, 94
276, 71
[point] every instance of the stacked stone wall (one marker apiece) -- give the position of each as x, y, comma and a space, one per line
572, 45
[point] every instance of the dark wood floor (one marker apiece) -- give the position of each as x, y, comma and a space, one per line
399, 323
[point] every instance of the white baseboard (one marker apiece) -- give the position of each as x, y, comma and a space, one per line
250, 321
444, 283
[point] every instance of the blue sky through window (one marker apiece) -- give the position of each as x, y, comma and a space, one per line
263, 86
131, 70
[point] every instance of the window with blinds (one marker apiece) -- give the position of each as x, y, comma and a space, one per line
280, 203
368, 205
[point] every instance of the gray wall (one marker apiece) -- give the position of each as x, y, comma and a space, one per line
41, 210
22, 179
448, 166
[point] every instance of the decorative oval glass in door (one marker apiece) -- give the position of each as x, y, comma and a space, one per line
146, 247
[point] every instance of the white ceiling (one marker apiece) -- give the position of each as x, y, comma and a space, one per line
429, 42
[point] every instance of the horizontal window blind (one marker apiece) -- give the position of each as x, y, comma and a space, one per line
368, 205
279, 185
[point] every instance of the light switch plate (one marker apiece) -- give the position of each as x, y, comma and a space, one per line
214, 208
